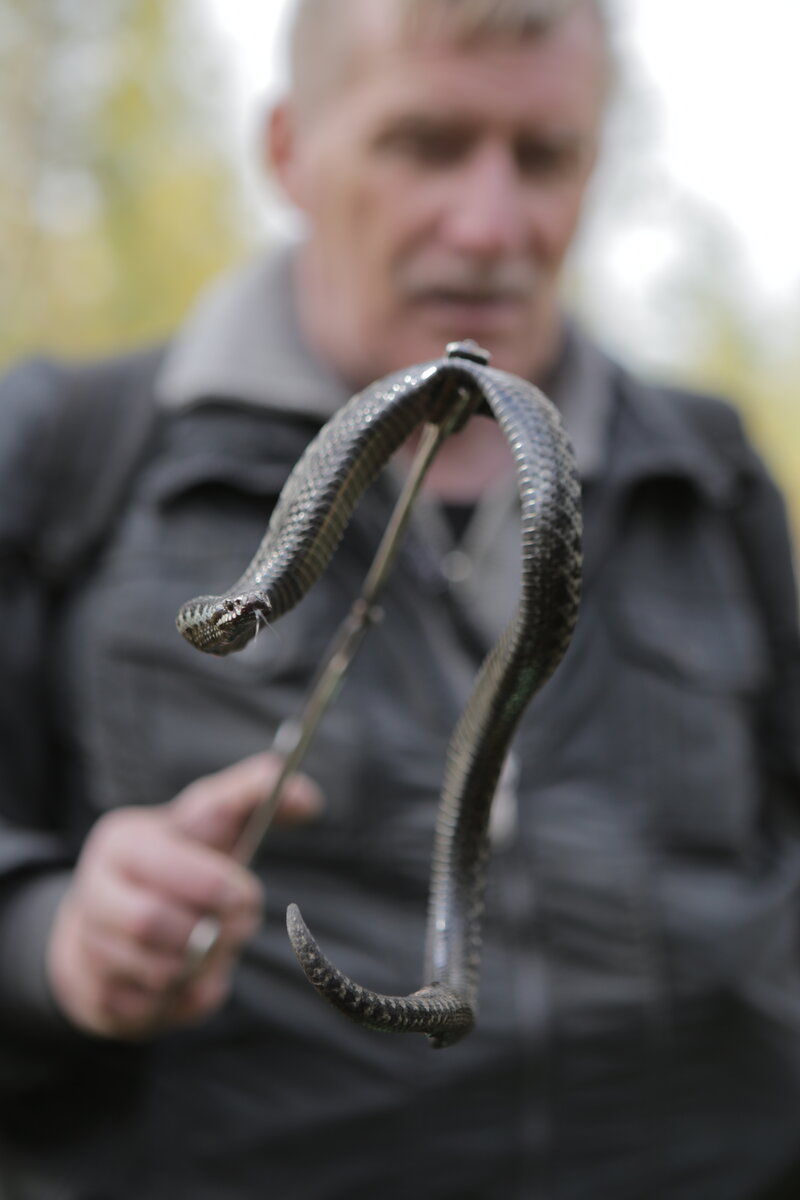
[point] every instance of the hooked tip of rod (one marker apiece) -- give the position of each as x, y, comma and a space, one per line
468, 348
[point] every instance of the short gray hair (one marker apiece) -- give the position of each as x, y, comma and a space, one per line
472, 20
322, 24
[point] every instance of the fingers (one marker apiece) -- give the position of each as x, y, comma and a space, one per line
129, 993
117, 956
171, 865
117, 952
142, 967
142, 990
161, 923
214, 809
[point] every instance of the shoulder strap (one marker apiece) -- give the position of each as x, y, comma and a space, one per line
763, 533
758, 515
759, 524
103, 423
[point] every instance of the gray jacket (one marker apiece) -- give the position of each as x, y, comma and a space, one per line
639, 1022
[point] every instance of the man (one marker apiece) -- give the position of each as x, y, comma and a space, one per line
637, 1035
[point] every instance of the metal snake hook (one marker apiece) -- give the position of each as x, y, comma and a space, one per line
305, 528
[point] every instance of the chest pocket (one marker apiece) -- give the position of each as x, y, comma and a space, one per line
211, 523
147, 712
693, 660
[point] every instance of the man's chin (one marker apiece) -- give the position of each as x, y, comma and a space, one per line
511, 349
423, 335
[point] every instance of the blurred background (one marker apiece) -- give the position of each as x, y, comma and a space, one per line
130, 174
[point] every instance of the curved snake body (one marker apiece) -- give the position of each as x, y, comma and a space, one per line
305, 528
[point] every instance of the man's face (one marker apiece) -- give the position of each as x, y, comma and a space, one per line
442, 186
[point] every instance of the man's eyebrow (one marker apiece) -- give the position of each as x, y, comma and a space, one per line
468, 126
561, 141
411, 123
450, 135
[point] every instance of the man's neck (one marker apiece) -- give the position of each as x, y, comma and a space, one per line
469, 463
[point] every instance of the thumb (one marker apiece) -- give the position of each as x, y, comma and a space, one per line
215, 808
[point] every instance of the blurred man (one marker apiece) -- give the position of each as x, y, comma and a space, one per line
637, 1034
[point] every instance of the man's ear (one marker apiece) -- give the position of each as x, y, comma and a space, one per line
280, 139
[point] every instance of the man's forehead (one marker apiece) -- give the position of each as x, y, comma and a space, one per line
420, 71
374, 26
465, 21
385, 31
368, 40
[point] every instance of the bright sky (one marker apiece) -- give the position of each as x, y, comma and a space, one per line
714, 127
726, 118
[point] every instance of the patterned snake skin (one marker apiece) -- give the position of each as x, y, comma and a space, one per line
305, 528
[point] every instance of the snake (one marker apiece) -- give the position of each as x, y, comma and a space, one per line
306, 525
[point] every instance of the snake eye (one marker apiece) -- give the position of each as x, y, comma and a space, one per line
232, 609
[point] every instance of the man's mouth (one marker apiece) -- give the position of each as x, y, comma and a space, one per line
477, 308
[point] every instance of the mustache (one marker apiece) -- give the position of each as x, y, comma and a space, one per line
513, 280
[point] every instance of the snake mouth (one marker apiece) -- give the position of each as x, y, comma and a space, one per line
229, 624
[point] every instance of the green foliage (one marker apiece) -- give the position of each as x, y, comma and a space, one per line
117, 196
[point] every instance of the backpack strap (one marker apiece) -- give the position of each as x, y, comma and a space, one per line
760, 524
103, 423
759, 520
762, 530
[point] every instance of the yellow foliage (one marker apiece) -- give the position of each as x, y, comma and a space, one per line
118, 205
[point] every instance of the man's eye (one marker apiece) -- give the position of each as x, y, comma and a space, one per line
430, 147
545, 159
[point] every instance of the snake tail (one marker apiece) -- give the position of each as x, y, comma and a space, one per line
435, 1010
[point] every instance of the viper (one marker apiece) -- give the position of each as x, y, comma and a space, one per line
307, 523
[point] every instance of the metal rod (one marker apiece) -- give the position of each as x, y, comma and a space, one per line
294, 735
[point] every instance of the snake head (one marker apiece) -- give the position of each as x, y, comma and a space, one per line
222, 624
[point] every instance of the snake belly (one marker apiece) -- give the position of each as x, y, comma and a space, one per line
306, 526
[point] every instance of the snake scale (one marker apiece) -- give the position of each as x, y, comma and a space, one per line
306, 526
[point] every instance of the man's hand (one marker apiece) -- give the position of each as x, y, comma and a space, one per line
116, 958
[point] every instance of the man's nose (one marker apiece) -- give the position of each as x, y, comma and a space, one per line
486, 214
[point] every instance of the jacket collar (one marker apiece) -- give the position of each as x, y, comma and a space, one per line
663, 433
244, 341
